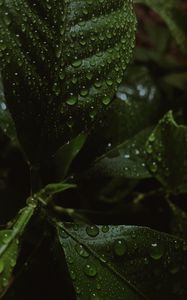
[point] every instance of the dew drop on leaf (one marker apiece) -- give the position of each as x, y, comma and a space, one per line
105, 228
120, 247
73, 275
156, 251
90, 270
92, 231
95, 297
78, 291
153, 167
81, 250
71, 101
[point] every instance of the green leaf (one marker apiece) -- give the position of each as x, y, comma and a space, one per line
124, 262
174, 19
126, 160
66, 154
166, 150
10, 246
61, 63
136, 107
46, 194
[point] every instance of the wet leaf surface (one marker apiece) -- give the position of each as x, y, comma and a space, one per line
117, 262
61, 65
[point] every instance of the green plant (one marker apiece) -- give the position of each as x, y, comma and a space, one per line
97, 142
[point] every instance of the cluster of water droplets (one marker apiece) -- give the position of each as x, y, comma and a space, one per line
99, 39
63, 60
112, 247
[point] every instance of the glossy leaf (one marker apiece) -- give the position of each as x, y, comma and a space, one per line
66, 154
160, 153
166, 150
136, 107
61, 63
46, 194
126, 160
124, 262
10, 246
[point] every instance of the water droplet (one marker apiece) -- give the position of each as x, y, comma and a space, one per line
146, 261
31, 201
153, 167
81, 251
71, 101
90, 270
73, 275
106, 100
152, 138
149, 149
156, 251
105, 228
120, 247
95, 297
77, 63
92, 231
12, 263
63, 234
78, 290
5, 282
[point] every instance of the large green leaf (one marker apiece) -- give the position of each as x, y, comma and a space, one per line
160, 153
166, 150
61, 63
126, 160
10, 246
173, 17
124, 262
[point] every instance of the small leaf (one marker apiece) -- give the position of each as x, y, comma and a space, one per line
10, 246
66, 154
126, 160
166, 150
124, 262
45, 195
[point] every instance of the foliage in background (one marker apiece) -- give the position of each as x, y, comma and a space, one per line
93, 141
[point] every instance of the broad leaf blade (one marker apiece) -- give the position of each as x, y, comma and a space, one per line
166, 150
124, 262
126, 160
61, 62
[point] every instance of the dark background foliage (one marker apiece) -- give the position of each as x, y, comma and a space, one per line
154, 84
